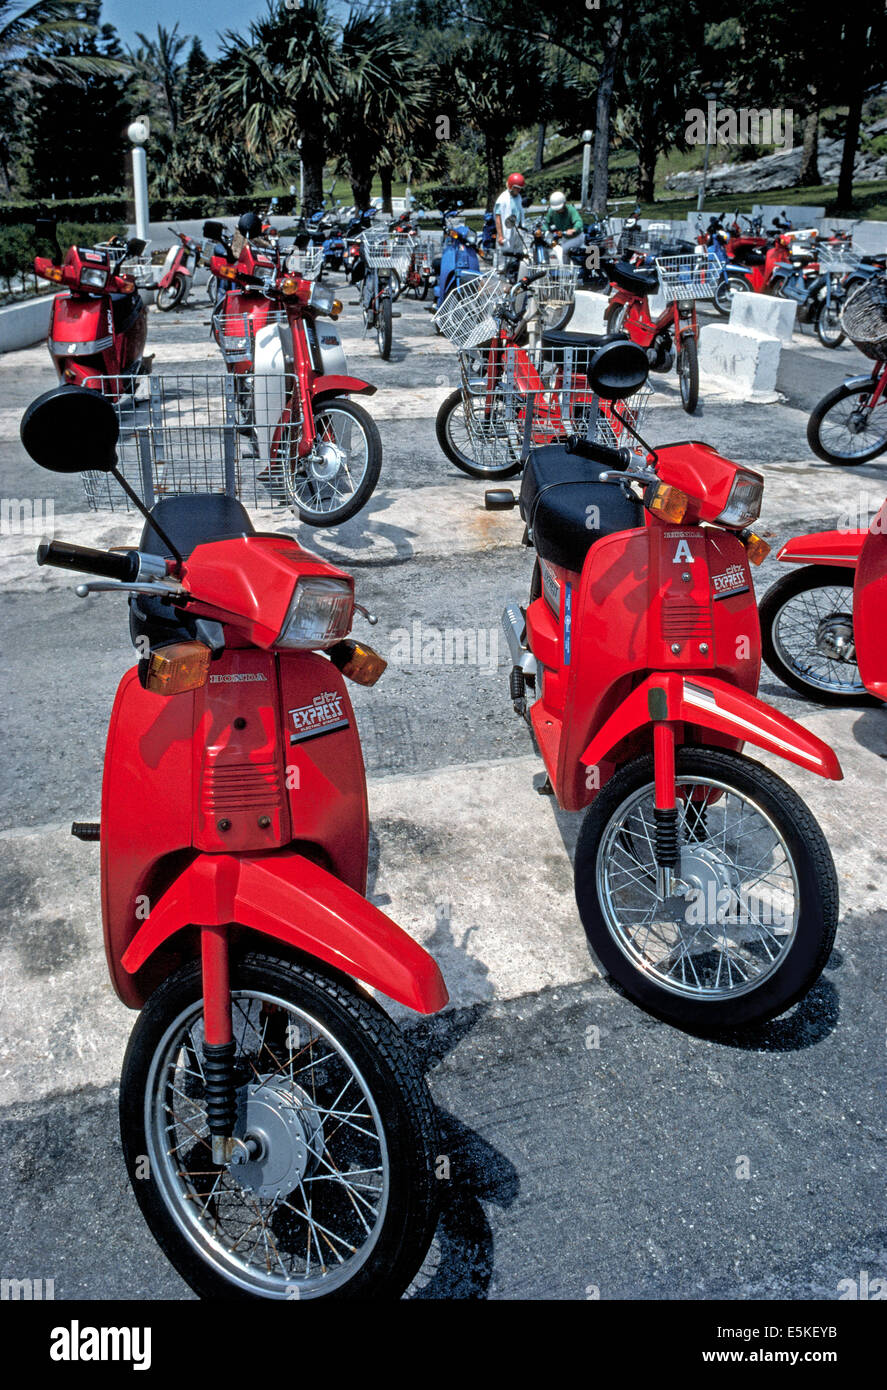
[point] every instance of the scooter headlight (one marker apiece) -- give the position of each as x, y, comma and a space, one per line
321, 299
744, 503
94, 278
319, 615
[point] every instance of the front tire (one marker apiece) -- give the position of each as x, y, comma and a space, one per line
328, 493
231, 1232
828, 324
840, 431
456, 442
688, 374
807, 635
170, 295
383, 328
741, 946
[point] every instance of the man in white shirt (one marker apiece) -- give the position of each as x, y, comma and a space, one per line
508, 204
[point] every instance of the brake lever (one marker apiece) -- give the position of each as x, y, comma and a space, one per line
157, 589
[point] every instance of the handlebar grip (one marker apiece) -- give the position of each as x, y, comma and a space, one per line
110, 564
534, 275
598, 453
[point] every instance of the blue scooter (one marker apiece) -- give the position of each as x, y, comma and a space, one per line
458, 259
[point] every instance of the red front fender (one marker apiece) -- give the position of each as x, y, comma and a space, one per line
288, 897
716, 705
823, 548
340, 386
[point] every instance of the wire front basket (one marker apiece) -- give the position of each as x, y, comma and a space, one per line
466, 316
235, 334
305, 261
387, 250
688, 277
864, 318
142, 270
837, 258
514, 402
557, 288
204, 433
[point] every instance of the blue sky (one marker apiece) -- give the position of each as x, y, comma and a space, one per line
203, 19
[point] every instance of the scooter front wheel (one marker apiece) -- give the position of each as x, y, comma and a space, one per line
338, 1199
688, 373
753, 915
168, 296
338, 478
479, 458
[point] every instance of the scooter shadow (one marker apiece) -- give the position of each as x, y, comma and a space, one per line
810, 1021
870, 731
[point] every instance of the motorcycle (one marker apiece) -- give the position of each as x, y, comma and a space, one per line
705, 887
279, 1136
98, 324
849, 425
823, 625
176, 277
669, 335
322, 452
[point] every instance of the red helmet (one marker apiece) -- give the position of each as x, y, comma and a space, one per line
515, 181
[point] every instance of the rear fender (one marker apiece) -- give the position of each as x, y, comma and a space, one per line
824, 548
289, 898
713, 704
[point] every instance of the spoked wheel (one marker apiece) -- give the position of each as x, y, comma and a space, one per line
212, 289
170, 295
688, 374
727, 288
338, 1197
338, 477
754, 914
476, 458
842, 428
614, 317
807, 635
383, 328
557, 316
828, 324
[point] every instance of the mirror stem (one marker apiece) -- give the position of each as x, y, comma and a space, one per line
155, 525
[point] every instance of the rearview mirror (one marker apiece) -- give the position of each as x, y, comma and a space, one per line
71, 430
214, 230
617, 370
135, 246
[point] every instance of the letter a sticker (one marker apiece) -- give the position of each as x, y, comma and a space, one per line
683, 553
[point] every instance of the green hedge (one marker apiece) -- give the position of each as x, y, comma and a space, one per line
119, 209
434, 195
19, 245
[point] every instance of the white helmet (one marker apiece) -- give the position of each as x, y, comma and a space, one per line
557, 201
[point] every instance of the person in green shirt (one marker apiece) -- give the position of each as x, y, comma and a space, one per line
562, 217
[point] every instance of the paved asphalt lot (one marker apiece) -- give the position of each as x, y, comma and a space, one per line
574, 1169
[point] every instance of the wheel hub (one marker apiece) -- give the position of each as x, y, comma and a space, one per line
326, 462
709, 878
834, 637
284, 1135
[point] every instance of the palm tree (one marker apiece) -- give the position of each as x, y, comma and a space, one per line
383, 101
277, 92
160, 74
28, 32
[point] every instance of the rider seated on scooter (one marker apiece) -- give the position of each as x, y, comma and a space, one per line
562, 217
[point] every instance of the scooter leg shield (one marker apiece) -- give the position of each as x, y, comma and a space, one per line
289, 898
824, 548
716, 705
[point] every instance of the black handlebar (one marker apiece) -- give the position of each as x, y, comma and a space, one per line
598, 453
110, 564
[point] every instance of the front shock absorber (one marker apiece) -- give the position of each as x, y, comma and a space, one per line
218, 1045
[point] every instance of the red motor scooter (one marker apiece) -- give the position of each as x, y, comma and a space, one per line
98, 326
177, 275
672, 336
278, 1134
823, 626
704, 884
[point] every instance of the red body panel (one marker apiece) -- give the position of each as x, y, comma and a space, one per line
176, 767
340, 386
290, 898
870, 608
824, 548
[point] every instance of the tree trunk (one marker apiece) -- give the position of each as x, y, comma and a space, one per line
809, 170
646, 182
539, 161
495, 176
361, 189
387, 176
312, 162
848, 154
602, 114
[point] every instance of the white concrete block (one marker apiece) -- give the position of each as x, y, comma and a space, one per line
588, 313
741, 361
765, 314
22, 325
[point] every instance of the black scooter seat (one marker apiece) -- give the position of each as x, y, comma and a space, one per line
555, 338
633, 279
557, 494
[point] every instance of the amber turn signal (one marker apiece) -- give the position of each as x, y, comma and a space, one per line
357, 661
668, 502
289, 285
180, 666
127, 284
54, 272
756, 549
228, 272
336, 309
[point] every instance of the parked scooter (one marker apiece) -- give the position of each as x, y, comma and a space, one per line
458, 259
849, 424
177, 276
705, 886
98, 325
823, 626
279, 1135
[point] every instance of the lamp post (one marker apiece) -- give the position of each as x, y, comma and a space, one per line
138, 134
587, 137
